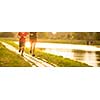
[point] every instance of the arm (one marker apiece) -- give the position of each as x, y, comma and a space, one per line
18, 34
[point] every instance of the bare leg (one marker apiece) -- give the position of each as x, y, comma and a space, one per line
22, 48
33, 49
19, 49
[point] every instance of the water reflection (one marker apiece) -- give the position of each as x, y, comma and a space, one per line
90, 57
98, 57
79, 55
61, 52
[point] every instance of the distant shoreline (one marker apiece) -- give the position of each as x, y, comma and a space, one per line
80, 42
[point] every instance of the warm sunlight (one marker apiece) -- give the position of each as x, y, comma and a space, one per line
68, 54
53, 32
64, 46
27, 44
90, 58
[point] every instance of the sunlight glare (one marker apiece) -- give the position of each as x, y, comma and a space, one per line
54, 33
64, 46
27, 44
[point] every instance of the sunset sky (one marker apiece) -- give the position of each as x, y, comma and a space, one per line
54, 32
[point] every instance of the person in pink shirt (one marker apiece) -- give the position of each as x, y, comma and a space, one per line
22, 39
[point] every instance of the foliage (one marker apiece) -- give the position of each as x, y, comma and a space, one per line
60, 35
7, 34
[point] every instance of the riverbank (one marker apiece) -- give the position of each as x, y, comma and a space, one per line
79, 42
10, 59
52, 59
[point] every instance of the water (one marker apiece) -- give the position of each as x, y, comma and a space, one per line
82, 53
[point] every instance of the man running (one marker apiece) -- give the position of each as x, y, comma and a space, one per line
33, 40
22, 39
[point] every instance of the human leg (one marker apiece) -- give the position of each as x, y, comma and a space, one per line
33, 48
22, 48
19, 46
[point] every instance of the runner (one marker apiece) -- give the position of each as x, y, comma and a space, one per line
22, 39
33, 40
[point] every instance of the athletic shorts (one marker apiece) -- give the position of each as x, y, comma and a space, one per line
33, 40
21, 44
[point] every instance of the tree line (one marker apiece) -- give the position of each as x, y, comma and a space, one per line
60, 35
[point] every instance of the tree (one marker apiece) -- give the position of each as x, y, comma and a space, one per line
43, 35
97, 35
7, 34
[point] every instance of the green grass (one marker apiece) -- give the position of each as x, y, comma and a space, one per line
52, 59
10, 59
59, 60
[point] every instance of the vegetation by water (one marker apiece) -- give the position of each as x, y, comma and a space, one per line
60, 35
67, 41
52, 59
10, 59
59, 60
79, 42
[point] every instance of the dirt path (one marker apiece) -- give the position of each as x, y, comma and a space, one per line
32, 60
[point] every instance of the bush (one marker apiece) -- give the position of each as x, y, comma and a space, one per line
7, 34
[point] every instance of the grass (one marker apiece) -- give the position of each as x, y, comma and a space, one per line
10, 59
52, 59
58, 60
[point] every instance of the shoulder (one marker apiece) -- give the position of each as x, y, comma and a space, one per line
18, 33
26, 33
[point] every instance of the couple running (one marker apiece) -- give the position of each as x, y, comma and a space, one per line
22, 39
